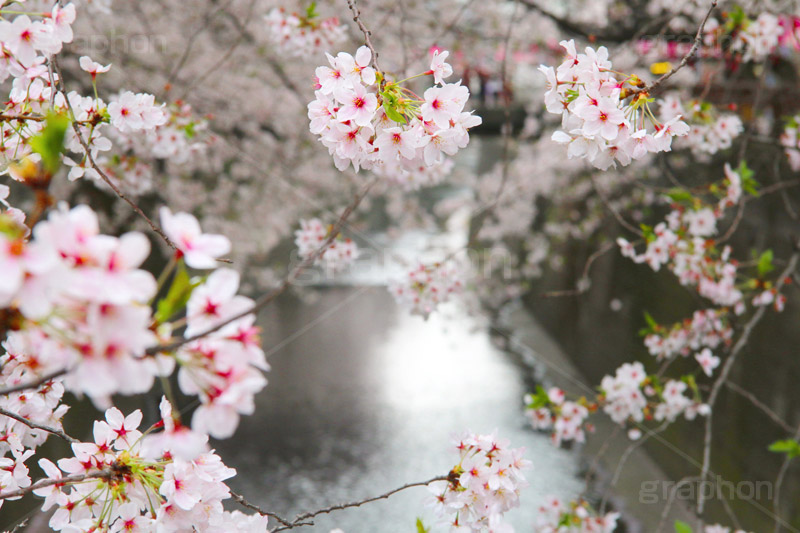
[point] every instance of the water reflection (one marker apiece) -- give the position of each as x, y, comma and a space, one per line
367, 398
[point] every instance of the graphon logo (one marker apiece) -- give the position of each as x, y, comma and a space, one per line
652, 492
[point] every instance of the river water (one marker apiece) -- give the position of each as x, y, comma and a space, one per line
363, 398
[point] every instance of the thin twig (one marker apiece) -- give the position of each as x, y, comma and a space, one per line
34, 425
776, 502
698, 40
603, 198
49, 482
33, 384
306, 516
583, 284
760, 405
624, 459
238, 498
671, 499
367, 34
726, 369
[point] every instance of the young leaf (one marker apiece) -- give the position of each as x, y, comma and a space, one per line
682, 527
421, 527
311, 11
49, 143
680, 196
788, 446
765, 263
392, 113
179, 293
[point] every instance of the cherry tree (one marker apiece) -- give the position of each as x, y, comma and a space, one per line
344, 104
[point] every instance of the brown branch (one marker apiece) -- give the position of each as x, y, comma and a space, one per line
583, 283
776, 502
100, 171
760, 405
671, 499
285, 284
34, 425
367, 34
726, 369
238, 498
33, 384
49, 482
698, 40
306, 516
603, 198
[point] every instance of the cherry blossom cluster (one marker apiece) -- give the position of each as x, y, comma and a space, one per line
630, 396
28, 42
482, 486
368, 121
708, 328
790, 140
81, 302
710, 132
426, 286
754, 39
156, 481
301, 35
142, 129
312, 236
682, 244
597, 123
557, 516
176, 141
224, 366
550, 410
41, 405
633, 396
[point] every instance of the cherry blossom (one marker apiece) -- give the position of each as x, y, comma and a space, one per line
199, 250
383, 126
313, 235
426, 286
596, 122
483, 486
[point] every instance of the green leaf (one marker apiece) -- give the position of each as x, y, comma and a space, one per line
392, 112
179, 293
749, 184
650, 320
788, 446
311, 11
765, 263
680, 196
647, 232
189, 130
421, 527
49, 143
682, 527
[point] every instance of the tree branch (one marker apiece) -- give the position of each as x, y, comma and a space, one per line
367, 34
34, 425
33, 384
698, 40
304, 517
49, 482
726, 369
